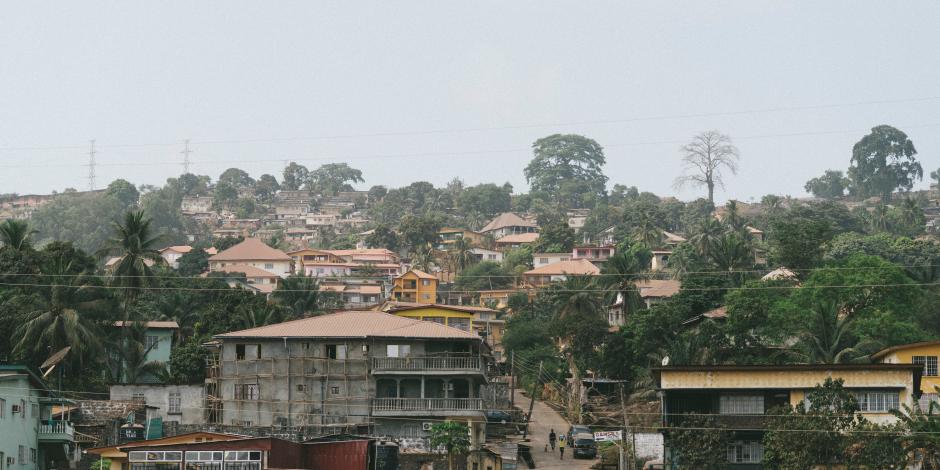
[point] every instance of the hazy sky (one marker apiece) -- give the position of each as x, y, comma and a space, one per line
410, 91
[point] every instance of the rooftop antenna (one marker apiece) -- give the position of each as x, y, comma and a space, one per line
186, 151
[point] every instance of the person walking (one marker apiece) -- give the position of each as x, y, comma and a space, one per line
551, 439
561, 446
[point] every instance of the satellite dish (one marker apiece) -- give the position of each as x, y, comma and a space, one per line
50, 364
665, 361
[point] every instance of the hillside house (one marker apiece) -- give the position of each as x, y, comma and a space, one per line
194, 205
447, 236
510, 242
253, 252
924, 354
256, 279
356, 293
596, 254
482, 254
559, 272
415, 286
544, 259
172, 254
508, 223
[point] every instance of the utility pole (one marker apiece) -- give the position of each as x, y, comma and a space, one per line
186, 151
538, 381
91, 166
623, 408
512, 379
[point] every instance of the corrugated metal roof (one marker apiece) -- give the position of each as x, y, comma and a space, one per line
251, 249
250, 271
354, 324
581, 267
506, 219
519, 238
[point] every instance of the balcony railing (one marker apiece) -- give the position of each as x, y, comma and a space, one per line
428, 363
56, 430
426, 404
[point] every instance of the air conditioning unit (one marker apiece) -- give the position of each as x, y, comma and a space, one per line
426, 426
16, 409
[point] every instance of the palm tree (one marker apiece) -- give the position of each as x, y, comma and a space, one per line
461, 255
646, 232
879, 218
923, 442
705, 234
575, 300
300, 294
731, 252
177, 306
619, 276
135, 244
911, 213
827, 338
252, 317
732, 217
423, 258
15, 234
129, 363
62, 314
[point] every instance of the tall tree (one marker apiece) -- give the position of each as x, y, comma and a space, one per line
705, 158
882, 162
620, 274
332, 178
383, 237
266, 187
301, 294
295, 176
123, 191
237, 178
15, 234
136, 245
461, 256
453, 437
831, 184
568, 167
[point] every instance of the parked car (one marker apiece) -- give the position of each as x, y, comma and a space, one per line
583, 445
497, 416
576, 429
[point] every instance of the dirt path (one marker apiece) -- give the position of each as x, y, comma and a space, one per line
544, 419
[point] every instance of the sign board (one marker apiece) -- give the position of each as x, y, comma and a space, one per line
606, 436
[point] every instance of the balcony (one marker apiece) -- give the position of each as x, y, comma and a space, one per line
426, 365
56, 431
427, 406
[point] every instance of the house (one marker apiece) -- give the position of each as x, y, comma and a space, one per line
118, 457
606, 236
557, 272
179, 404
32, 435
256, 279
544, 259
577, 218
194, 205
924, 354
415, 286
172, 254
367, 255
321, 220
739, 397
312, 256
596, 254
662, 253
253, 252
158, 341
652, 291
508, 223
510, 242
499, 298
111, 264
356, 293
347, 370
482, 254
447, 236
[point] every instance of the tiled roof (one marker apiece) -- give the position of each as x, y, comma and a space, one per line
354, 324
658, 287
580, 267
519, 238
506, 219
364, 251
395, 306
250, 271
178, 249
417, 272
672, 238
251, 249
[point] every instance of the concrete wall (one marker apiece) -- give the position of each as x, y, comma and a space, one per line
191, 406
22, 428
904, 356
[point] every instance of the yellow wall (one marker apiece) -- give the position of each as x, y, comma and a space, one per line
422, 293
903, 356
118, 458
422, 313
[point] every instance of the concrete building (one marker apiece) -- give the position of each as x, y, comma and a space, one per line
170, 403
253, 252
559, 272
359, 371
158, 341
517, 240
32, 436
739, 396
508, 223
415, 286
924, 354
482, 254
447, 236
545, 259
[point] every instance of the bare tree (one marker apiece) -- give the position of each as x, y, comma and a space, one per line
703, 160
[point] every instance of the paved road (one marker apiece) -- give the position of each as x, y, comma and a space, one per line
544, 418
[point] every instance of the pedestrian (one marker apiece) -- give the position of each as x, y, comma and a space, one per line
551, 439
561, 446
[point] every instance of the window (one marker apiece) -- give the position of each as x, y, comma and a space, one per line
398, 350
174, 403
32, 455
35, 410
874, 401
459, 323
3, 408
741, 404
925, 400
23, 409
21, 457
247, 351
151, 343
426, 296
336, 351
929, 362
745, 452
334, 390
138, 396
268, 265
543, 260
247, 392
425, 282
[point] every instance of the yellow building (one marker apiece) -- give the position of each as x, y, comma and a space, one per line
415, 286
447, 236
119, 459
925, 354
480, 320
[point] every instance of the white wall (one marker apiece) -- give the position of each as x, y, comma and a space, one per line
191, 405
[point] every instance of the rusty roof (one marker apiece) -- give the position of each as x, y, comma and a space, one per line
354, 324
580, 267
658, 287
251, 249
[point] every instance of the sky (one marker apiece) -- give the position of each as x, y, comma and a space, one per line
431, 90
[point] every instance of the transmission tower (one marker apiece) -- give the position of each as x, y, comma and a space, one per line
186, 151
91, 166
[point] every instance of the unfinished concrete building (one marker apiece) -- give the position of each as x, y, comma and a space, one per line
355, 371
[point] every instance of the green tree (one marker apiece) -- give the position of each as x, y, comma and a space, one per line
295, 176
300, 294
831, 184
556, 237
266, 187
188, 363
646, 231
698, 442
193, 263
828, 337
224, 195
461, 255
518, 260
620, 274
225, 243
485, 275
487, 200
15, 234
123, 191
882, 162
236, 178
705, 234
454, 437
705, 159
332, 178
383, 237
922, 443
128, 356
798, 243
418, 231
135, 244
567, 167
